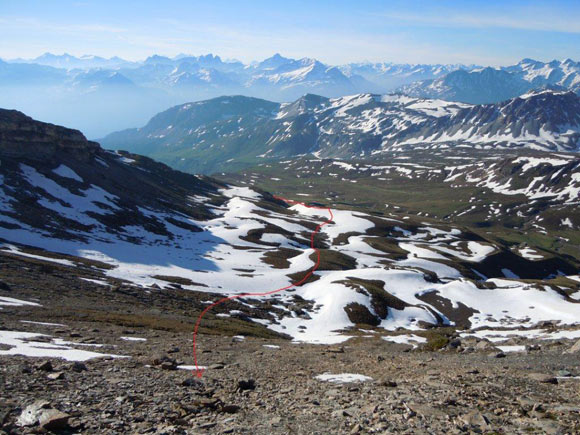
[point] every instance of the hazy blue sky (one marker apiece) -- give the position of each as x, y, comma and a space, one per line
487, 32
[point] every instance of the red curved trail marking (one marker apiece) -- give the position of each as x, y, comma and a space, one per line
198, 370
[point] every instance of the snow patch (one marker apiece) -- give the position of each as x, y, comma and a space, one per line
22, 343
66, 172
12, 302
343, 378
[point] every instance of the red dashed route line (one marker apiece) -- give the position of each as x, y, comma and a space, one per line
198, 370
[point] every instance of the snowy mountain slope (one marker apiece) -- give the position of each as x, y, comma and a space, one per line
348, 127
540, 120
83, 204
564, 73
297, 78
491, 85
543, 191
524, 200
246, 129
479, 86
230, 125
285, 77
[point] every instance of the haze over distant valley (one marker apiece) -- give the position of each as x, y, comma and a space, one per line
101, 95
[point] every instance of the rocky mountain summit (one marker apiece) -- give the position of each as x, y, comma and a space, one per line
23, 137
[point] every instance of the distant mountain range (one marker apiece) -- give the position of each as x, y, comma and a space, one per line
489, 85
389, 76
68, 61
236, 132
290, 78
99, 95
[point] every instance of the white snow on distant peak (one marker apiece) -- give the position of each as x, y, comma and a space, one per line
397, 98
437, 108
344, 104
343, 378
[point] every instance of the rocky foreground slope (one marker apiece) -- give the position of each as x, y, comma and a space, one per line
108, 258
490, 85
265, 386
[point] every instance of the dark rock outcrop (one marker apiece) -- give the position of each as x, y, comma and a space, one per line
22, 136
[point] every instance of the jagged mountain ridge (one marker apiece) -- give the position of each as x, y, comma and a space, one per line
543, 120
68, 61
483, 86
276, 70
100, 95
349, 127
565, 74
